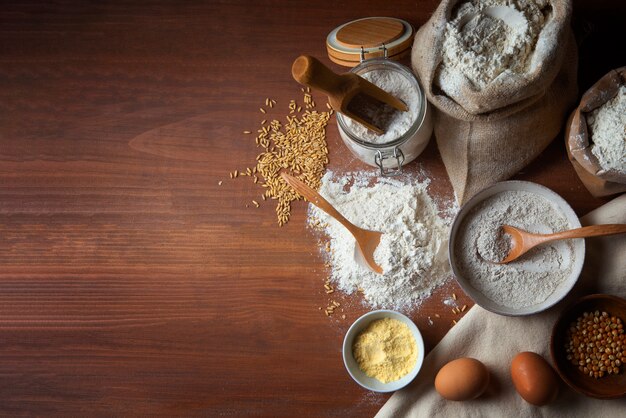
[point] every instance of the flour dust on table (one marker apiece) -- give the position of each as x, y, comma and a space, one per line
413, 248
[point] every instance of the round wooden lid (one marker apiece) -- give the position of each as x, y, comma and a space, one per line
345, 42
369, 32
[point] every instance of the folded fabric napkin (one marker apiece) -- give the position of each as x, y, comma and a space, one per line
495, 340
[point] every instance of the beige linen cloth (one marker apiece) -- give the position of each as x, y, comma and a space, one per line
495, 340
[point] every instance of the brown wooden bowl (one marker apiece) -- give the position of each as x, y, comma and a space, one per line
606, 387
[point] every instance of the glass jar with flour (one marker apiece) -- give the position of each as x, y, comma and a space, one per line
406, 133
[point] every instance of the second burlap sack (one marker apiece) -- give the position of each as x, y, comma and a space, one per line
487, 135
598, 180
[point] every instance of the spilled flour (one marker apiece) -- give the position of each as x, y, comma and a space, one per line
412, 251
487, 38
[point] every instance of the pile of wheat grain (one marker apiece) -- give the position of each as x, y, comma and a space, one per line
298, 146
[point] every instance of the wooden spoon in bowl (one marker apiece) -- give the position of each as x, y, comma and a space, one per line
366, 241
523, 241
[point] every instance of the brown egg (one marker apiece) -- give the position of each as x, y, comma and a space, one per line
462, 379
534, 378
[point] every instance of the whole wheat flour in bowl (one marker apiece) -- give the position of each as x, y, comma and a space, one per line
536, 280
413, 248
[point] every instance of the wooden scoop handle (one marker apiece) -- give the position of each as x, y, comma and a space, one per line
315, 198
312, 73
591, 231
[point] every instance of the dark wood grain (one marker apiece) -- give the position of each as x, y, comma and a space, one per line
130, 282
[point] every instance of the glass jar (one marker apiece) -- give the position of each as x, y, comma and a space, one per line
390, 156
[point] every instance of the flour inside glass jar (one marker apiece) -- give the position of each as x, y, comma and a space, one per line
395, 122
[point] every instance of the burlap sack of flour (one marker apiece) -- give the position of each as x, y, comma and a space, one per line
599, 182
487, 135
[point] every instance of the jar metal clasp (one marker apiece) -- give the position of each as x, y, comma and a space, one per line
381, 47
381, 156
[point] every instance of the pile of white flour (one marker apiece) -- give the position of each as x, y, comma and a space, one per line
608, 132
487, 38
412, 251
532, 278
397, 123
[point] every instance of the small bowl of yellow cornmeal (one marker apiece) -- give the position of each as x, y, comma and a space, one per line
383, 351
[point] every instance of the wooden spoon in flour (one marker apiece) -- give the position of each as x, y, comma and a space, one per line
366, 241
523, 241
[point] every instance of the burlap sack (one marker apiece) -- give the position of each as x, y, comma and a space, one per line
488, 135
598, 181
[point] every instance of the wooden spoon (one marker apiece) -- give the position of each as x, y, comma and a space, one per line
523, 241
366, 241
347, 93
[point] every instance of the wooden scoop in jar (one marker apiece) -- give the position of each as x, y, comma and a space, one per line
347, 93
522, 241
366, 241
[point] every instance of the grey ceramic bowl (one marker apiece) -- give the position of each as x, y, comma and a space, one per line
561, 291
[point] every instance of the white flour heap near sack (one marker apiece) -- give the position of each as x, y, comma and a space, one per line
412, 251
608, 132
487, 38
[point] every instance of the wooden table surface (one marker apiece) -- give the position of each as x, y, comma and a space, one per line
131, 283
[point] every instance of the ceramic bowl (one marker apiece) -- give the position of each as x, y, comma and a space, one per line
606, 387
561, 291
352, 367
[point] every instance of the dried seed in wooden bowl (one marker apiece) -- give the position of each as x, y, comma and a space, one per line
596, 343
